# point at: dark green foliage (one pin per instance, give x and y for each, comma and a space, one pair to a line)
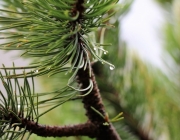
41, 31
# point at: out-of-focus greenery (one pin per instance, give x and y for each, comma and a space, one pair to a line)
172, 43
165, 1
148, 98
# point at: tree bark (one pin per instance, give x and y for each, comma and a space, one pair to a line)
93, 99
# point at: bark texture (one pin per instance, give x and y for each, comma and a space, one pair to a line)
93, 99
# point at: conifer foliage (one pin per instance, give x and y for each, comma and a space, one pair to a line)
60, 36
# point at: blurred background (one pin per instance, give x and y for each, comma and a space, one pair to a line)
145, 85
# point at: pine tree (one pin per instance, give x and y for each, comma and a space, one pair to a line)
148, 98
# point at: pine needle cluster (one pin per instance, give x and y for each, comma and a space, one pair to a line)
61, 37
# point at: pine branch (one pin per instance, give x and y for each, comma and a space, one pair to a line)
91, 128
58, 32
93, 99
86, 129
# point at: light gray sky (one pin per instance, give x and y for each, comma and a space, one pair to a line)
142, 30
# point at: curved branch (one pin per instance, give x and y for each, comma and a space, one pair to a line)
93, 99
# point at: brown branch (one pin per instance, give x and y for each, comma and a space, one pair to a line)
93, 99
86, 129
